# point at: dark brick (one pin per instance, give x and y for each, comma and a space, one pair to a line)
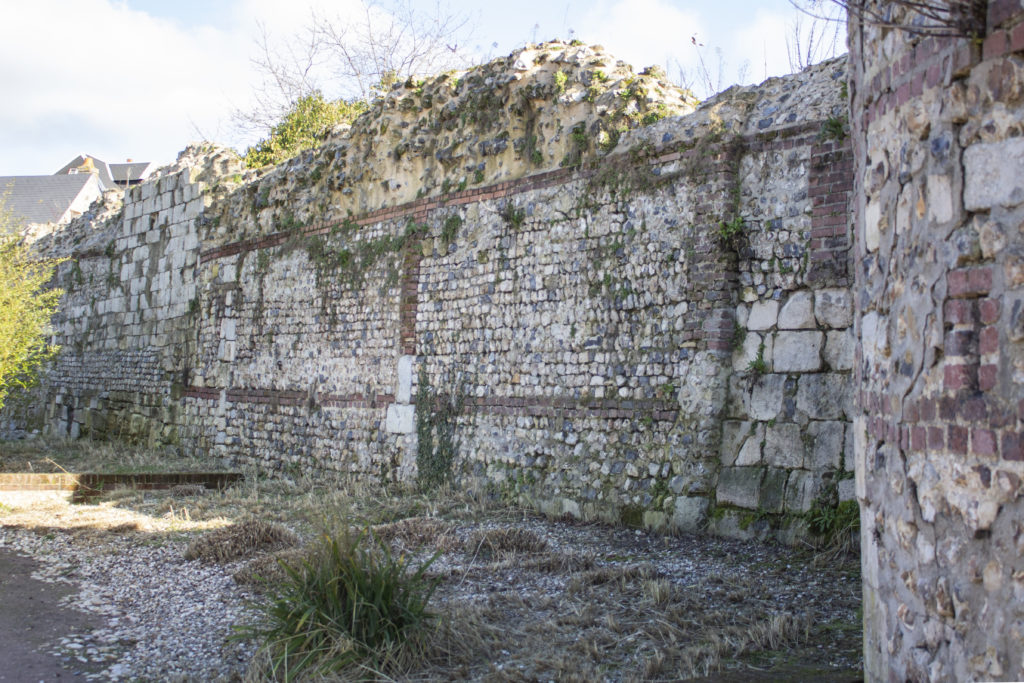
959, 312
983, 441
988, 375
918, 438
1013, 446
988, 340
936, 440
956, 377
988, 309
956, 439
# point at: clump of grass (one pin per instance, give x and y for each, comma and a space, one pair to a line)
267, 570
241, 540
416, 532
352, 607
493, 543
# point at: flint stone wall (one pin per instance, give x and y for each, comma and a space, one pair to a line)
940, 318
617, 353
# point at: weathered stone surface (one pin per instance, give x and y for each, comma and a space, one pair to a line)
773, 490
734, 433
802, 489
766, 397
763, 315
839, 349
403, 393
740, 486
991, 172
797, 351
823, 396
825, 449
784, 446
689, 513
798, 312
751, 350
750, 452
833, 307
401, 419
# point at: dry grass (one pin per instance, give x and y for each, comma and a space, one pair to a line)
240, 541
522, 598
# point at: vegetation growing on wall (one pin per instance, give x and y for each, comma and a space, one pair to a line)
437, 444
302, 127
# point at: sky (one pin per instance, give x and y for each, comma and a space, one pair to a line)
140, 79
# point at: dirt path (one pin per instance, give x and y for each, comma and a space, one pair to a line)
31, 621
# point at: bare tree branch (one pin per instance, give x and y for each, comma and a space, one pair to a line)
352, 57
956, 18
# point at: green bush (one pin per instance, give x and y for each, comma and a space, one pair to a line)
303, 126
352, 604
27, 302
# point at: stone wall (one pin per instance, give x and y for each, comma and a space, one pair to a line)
940, 319
644, 317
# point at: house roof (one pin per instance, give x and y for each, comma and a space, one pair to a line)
42, 198
106, 179
131, 171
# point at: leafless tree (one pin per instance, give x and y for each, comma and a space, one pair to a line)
353, 57
964, 18
809, 42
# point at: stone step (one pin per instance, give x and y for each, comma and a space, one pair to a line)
21, 487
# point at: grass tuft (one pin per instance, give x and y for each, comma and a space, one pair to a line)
239, 541
351, 608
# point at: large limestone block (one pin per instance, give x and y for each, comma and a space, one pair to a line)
773, 490
740, 486
784, 445
798, 312
823, 396
690, 513
801, 491
839, 348
763, 315
992, 173
826, 445
797, 351
400, 419
833, 307
766, 396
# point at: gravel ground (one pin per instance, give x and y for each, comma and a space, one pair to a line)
553, 600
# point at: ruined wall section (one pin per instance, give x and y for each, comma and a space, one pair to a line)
598, 312
125, 323
586, 315
940, 308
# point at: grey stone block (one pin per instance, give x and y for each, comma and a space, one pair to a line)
734, 433
839, 346
400, 419
822, 397
797, 351
763, 315
740, 486
690, 513
847, 490
833, 307
773, 489
784, 446
404, 391
826, 445
992, 173
801, 490
798, 312
750, 451
766, 395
